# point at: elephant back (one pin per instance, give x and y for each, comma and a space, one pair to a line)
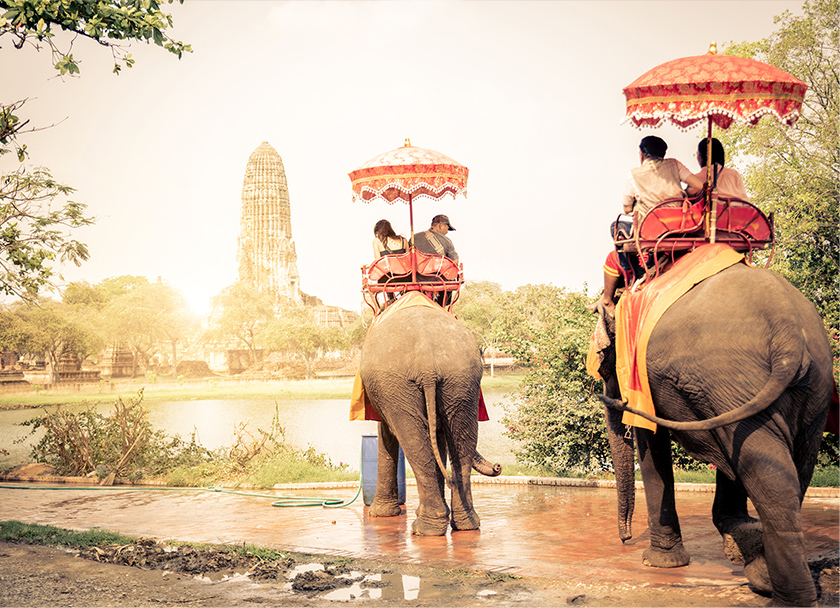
420, 337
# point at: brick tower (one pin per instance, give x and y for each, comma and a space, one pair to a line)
266, 250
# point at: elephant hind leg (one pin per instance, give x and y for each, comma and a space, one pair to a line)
774, 492
433, 512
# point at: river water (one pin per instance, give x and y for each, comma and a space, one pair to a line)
320, 423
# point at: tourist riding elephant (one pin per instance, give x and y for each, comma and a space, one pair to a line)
740, 371
422, 371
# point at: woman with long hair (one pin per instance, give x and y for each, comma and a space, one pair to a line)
386, 241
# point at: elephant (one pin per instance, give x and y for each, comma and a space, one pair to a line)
740, 371
422, 370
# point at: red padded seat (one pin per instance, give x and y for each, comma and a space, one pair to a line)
680, 224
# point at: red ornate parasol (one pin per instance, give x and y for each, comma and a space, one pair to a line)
715, 88
408, 173
720, 88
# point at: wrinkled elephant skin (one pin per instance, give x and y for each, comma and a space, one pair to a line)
419, 365
718, 347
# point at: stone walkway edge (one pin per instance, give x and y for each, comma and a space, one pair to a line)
822, 492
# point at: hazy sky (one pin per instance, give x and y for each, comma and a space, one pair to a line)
525, 94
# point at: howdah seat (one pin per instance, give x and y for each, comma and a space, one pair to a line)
411, 271
682, 224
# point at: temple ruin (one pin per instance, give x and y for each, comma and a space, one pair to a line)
266, 251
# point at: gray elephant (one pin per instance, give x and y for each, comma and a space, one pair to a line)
422, 371
740, 371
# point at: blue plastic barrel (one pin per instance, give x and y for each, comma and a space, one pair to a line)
370, 454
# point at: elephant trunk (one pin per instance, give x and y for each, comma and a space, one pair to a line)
622, 451
485, 467
431, 412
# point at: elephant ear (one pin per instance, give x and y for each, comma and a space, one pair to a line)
605, 342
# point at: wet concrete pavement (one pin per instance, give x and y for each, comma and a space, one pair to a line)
559, 533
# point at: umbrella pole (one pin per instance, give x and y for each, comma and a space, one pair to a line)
411, 242
711, 203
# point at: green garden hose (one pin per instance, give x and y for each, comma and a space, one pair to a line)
284, 501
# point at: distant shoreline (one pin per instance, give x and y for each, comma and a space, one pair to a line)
221, 387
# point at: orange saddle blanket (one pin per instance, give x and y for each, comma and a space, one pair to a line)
638, 312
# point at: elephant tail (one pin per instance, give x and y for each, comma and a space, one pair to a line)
431, 411
485, 467
782, 376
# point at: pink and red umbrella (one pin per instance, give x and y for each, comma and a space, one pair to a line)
716, 88
408, 173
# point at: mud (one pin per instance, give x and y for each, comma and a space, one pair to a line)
154, 574
538, 546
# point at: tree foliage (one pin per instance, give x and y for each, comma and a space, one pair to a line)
239, 314
32, 234
294, 331
557, 419
795, 172
478, 309
52, 329
35, 218
145, 315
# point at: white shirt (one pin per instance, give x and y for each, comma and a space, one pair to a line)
729, 183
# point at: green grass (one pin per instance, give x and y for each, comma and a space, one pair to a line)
221, 388
826, 477
287, 465
505, 380
332, 388
37, 534
276, 471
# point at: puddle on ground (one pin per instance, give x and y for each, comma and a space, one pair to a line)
400, 587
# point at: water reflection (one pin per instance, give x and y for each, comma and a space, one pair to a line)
320, 423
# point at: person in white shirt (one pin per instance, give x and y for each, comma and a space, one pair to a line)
725, 181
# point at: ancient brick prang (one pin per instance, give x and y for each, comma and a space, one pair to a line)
266, 251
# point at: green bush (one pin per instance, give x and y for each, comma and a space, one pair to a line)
827, 476
84, 442
557, 420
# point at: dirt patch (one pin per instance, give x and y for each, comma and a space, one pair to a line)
151, 573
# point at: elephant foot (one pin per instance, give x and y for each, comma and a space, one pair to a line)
426, 527
384, 508
467, 520
743, 542
758, 575
656, 557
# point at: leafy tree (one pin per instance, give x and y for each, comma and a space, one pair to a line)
239, 313
294, 331
33, 232
357, 331
557, 417
32, 235
795, 172
145, 315
109, 23
52, 329
478, 307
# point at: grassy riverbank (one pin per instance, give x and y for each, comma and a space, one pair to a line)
229, 387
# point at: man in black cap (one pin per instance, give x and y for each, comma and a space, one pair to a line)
434, 240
